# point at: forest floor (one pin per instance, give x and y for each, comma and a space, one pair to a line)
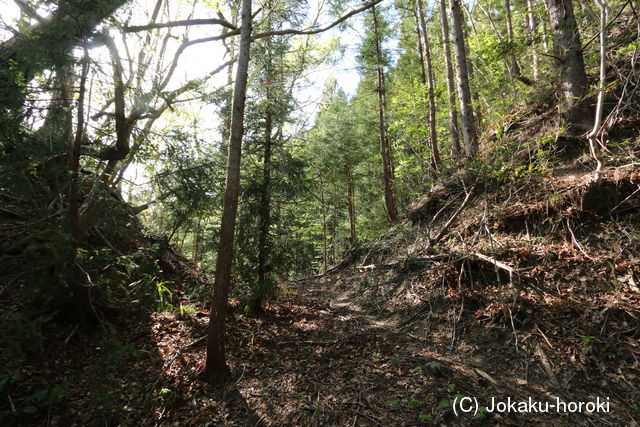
314, 357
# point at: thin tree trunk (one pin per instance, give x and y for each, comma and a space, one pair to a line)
603, 59
423, 70
464, 90
78, 281
216, 369
423, 80
451, 90
196, 241
532, 29
475, 95
569, 62
334, 252
385, 146
264, 211
515, 66
435, 154
545, 32
351, 206
324, 226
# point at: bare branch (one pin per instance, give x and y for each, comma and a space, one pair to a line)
319, 30
180, 23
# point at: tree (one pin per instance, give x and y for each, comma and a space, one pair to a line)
216, 368
433, 141
335, 131
532, 31
372, 55
571, 74
514, 65
462, 79
451, 90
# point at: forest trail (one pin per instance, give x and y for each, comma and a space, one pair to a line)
315, 358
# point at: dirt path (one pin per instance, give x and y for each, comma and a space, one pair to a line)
314, 358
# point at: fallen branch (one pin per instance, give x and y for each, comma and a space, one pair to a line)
29, 224
486, 376
546, 366
445, 228
497, 263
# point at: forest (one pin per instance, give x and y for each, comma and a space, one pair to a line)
319, 212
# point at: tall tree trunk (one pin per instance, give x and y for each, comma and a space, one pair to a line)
515, 66
334, 250
216, 368
451, 90
385, 146
351, 205
532, 30
264, 210
462, 79
78, 281
435, 154
423, 69
423, 79
475, 96
569, 62
543, 21
324, 226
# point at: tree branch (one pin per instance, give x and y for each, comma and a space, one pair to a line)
181, 23
319, 30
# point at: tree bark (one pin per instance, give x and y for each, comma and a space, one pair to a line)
451, 90
570, 69
462, 80
264, 211
433, 142
78, 281
515, 67
532, 30
603, 75
323, 211
385, 146
216, 369
351, 206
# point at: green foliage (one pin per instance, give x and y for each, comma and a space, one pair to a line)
164, 296
187, 309
482, 414
586, 339
426, 418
